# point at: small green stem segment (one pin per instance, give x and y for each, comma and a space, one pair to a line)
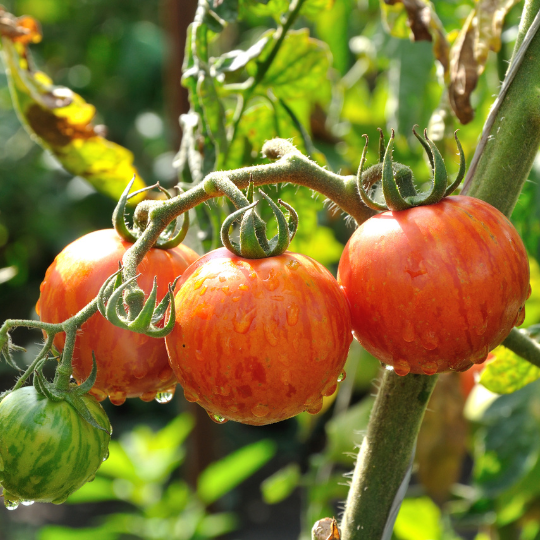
385, 453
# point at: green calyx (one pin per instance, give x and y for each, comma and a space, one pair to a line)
72, 393
397, 180
169, 238
110, 303
253, 241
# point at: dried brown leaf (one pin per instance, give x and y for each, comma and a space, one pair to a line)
480, 34
325, 529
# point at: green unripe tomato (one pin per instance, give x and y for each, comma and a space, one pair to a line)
47, 451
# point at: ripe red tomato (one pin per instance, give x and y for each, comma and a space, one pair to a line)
259, 340
436, 287
129, 364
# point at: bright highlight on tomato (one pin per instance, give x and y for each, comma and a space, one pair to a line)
435, 288
259, 340
47, 451
129, 364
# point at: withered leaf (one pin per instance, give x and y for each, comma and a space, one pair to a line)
480, 34
57, 118
425, 25
325, 529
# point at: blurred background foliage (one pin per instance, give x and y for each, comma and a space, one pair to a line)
343, 71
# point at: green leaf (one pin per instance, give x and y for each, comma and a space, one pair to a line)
100, 489
418, 519
56, 532
322, 245
61, 121
277, 8
222, 476
217, 525
281, 484
508, 372
507, 445
532, 306
299, 70
344, 432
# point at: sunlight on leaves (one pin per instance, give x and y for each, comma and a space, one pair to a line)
281, 484
60, 120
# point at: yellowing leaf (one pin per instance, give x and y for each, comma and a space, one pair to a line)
58, 119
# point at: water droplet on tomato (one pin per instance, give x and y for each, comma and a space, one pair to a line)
293, 265
241, 323
165, 374
91, 478
292, 314
165, 396
218, 419
260, 411
529, 291
27, 503
222, 279
429, 340
100, 395
402, 368
140, 371
480, 356
225, 289
243, 287
191, 395
408, 331
106, 456
223, 390
203, 311
355, 336
203, 290
270, 333
342, 376
252, 275
315, 406
272, 282
117, 397
148, 396
429, 367
520, 316
199, 355
11, 504
329, 389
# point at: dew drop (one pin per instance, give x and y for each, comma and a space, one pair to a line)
11, 504
293, 265
236, 299
222, 279
140, 371
292, 314
191, 395
225, 289
315, 406
260, 411
199, 355
117, 398
529, 291
218, 419
164, 397
106, 456
429, 367
148, 396
272, 283
100, 395
252, 275
429, 340
269, 333
243, 287
223, 390
329, 389
402, 368
203, 311
355, 336
203, 290
520, 318
408, 331
90, 478
27, 503
342, 376
481, 356
242, 323
165, 374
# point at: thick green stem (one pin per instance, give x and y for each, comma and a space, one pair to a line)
524, 346
511, 137
385, 454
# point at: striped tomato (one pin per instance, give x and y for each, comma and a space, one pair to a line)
47, 451
435, 288
129, 364
259, 340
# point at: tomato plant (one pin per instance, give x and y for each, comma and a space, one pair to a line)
435, 288
129, 365
47, 450
259, 340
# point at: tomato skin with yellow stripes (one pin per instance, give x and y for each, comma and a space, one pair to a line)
47, 451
